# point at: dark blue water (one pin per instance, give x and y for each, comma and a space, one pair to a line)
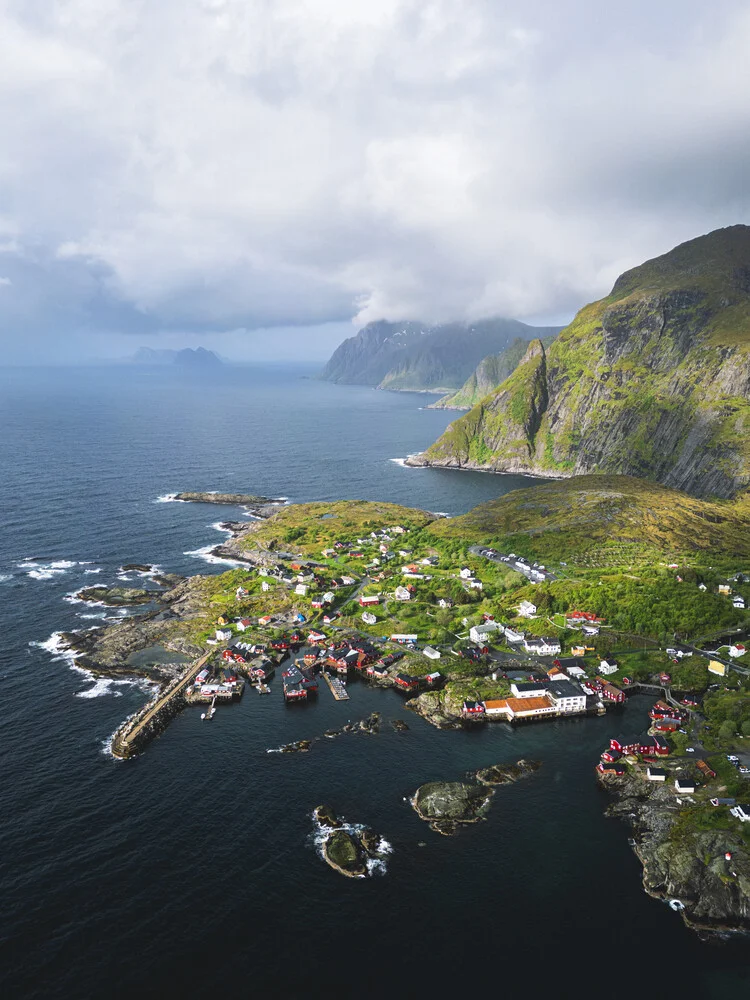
192, 867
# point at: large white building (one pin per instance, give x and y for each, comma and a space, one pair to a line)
480, 633
566, 696
542, 645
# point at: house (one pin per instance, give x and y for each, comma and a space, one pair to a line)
666, 726
705, 769
528, 689
655, 774
741, 812
702, 586
575, 671
444, 603
317, 602
607, 667
737, 649
402, 594
610, 768
526, 609
723, 802
714, 667
265, 586
431, 653
566, 696
578, 650
542, 645
495, 707
330, 616
465, 573
314, 637
678, 652
513, 635
590, 629
611, 755
265, 620
243, 623
368, 618
368, 600
223, 634
223, 618
472, 709
684, 786
328, 597
724, 588
555, 674
529, 708
328, 553
301, 589
480, 633
405, 682
611, 693
347, 581
577, 617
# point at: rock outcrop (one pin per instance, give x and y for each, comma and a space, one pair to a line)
652, 381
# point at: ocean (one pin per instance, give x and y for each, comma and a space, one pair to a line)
193, 869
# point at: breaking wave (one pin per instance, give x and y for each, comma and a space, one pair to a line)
207, 555
38, 570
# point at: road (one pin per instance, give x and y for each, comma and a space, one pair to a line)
480, 550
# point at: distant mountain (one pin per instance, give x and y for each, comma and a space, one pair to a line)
488, 375
651, 381
186, 358
415, 356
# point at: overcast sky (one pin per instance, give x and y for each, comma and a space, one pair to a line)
264, 176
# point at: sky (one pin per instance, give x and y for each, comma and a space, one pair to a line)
265, 176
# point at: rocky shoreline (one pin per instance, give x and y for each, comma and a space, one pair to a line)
707, 871
249, 500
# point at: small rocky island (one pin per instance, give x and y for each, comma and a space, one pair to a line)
237, 499
349, 850
447, 805
116, 597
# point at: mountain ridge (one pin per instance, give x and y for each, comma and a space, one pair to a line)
651, 381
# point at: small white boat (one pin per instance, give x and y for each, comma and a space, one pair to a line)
203, 715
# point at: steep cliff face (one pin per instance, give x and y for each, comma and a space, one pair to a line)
416, 356
653, 381
488, 375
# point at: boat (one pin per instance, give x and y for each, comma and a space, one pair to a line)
263, 688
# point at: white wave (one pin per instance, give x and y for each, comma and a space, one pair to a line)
398, 461
219, 526
440, 513
97, 570
101, 615
169, 498
4, 577
124, 577
73, 598
39, 570
321, 832
54, 646
207, 556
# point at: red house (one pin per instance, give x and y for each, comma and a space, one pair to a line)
610, 768
472, 709
368, 601
405, 682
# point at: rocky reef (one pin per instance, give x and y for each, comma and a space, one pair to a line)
116, 597
706, 870
448, 805
353, 851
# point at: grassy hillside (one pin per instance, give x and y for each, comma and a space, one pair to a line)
607, 520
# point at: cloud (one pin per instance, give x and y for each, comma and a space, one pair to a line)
224, 164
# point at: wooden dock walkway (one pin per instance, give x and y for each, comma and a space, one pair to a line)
338, 689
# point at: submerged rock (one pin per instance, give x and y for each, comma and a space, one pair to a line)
136, 568
299, 746
399, 725
326, 816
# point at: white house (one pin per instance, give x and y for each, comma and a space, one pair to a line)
607, 667
223, 634
265, 585
443, 603
328, 597
368, 618
566, 697
348, 580
513, 635
528, 689
656, 774
741, 812
242, 624
301, 589
738, 602
476, 584
526, 609
737, 649
684, 786
402, 594
431, 653
542, 645
575, 671
465, 573
480, 633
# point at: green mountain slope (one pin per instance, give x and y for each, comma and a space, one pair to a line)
414, 356
607, 520
488, 374
652, 381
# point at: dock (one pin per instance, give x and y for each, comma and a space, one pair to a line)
338, 689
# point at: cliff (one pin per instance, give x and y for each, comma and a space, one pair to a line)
414, 356
651, 381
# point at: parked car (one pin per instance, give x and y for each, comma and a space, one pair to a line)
732, 757
744, 770
689, 749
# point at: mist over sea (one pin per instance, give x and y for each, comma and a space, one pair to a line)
193, 870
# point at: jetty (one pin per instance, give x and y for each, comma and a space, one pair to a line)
153, 718
338, 688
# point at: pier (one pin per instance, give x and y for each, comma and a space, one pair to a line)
338, 688
153, 717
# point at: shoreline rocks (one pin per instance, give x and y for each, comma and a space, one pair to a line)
684, 863
117, 597
349, 850
235, 499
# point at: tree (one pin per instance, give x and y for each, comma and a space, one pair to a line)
746, 728
727, 730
